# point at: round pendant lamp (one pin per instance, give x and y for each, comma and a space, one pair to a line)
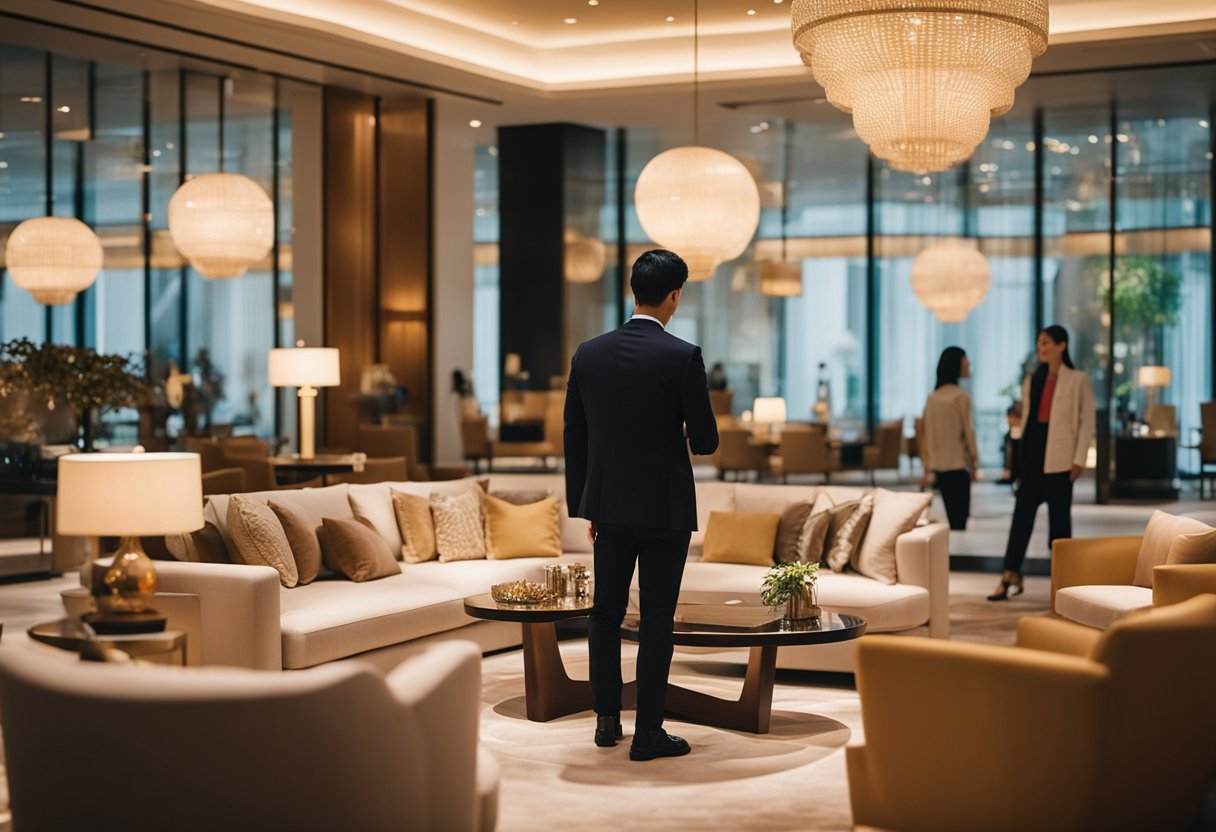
922, 80
699, 202
53, 258
222, 223
950, 279
584, 258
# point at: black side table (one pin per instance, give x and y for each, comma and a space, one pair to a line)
1146, 468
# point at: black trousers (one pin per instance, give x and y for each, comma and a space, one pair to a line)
1056, 491
659, 555
956, 494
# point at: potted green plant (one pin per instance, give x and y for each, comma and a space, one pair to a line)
792, 584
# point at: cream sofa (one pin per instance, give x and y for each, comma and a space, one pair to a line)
248, 620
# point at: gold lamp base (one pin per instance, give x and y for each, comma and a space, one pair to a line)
129, 585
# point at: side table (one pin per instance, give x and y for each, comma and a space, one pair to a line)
167, 647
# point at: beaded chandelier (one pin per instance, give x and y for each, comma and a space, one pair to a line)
53, 258
922, 78
222, 223
950, 279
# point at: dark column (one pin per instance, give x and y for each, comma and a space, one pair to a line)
550, 177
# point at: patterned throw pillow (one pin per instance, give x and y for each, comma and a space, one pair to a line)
459, 533
259, 538
849, 523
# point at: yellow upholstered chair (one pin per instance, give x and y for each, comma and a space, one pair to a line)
224, 481
1075, 729
883, 453
804, 449
376, 469
736, 453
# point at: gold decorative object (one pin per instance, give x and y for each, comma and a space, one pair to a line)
921, 79
950, 279
222, 223
522, 592
130, 582
53, 258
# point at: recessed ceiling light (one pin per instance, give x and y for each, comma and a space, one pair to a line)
751, 12
31, 99
571, 20
64, 109
670, 19
476, 122
593, 2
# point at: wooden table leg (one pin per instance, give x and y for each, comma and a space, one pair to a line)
752, 711
548, 691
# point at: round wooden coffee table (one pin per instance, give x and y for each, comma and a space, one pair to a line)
761, 629
549, 692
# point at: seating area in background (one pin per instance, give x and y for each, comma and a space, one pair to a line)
531, 429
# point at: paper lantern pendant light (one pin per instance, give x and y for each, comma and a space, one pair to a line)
950, 279
222, 223
584, 258
53, 258
921, 79
781, 280
699, 202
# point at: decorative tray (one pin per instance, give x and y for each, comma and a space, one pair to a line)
522, 592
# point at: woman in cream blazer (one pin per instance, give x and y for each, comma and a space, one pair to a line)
1057, 428
948, 450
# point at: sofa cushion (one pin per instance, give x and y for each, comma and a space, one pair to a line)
814, 537
521, 531
333, 618
373, 502
790, 532
1159, 535
258, 538
885, 608
1197, 547
848, 529
573, 529
203, 546
895, 513
741, 537
459, 533
711, 497
416, 525
773, 499
1101, 606
312, 503
302, 537
354, 549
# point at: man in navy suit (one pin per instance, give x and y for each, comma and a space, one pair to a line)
636, 402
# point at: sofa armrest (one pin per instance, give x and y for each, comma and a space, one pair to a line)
442, 687
1056, 635
968, 720
1093, 561
1174, 583
922, 558
239, 606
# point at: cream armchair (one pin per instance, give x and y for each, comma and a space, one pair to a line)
1106, 731
336, 747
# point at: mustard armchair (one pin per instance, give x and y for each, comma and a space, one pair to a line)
1073, 729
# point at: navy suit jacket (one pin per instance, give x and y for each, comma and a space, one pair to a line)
630, 396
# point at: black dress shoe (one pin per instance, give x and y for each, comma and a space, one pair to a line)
657, 744
608, 731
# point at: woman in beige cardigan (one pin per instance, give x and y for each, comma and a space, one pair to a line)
1057, 427
949, 453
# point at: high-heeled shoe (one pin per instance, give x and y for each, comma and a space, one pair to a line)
1010, 580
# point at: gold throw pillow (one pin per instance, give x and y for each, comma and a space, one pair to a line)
354, 549
302, 537
459, 533
416, 526
1196, 547
259, 538
740, 537
521, 531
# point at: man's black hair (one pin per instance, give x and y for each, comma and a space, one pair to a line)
656, 274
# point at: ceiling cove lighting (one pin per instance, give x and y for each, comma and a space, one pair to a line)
921, 79
950, 279
53, 258
699, 202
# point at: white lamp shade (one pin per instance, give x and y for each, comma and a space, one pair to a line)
305, 367
1155, 376
113, 495
222, 223
701, 203
53, 258
769, 410
950, 279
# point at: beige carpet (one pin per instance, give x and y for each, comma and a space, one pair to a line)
792, 778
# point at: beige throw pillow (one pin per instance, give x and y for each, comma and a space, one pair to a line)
1159, 536
895, 513
354, 549
1196, 547
302, 537
459, 533
849, 522
789, 531
740, 537
416, 527
259, 538
521, 531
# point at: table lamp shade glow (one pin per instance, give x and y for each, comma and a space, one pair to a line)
1154, 376
769, 411
128, 496
306, 368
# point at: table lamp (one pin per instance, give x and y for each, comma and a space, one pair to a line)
128, 496
1152, 379
769, 411
306, 368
